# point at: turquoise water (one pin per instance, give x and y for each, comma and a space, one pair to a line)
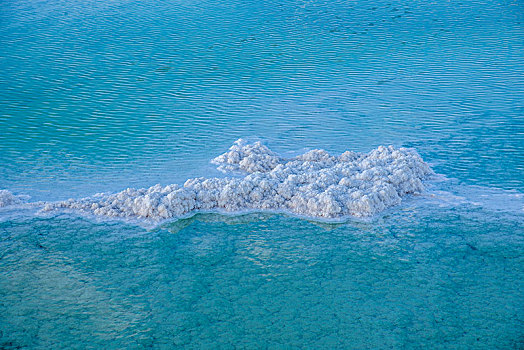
438, 279
100, 96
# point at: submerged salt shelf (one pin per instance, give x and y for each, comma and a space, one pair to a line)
314, 184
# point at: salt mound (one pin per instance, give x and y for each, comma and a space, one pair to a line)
249, 158
7, 198
314, 184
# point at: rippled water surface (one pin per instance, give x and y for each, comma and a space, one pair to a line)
97, 96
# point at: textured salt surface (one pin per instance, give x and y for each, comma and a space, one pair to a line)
314, 184
7, 198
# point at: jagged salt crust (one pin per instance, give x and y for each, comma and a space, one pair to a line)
7, 198
314, 184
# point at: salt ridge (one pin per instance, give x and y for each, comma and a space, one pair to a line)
314, 184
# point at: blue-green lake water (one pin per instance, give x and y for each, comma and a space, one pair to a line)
98, 96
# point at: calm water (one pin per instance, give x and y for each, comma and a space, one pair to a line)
100, 96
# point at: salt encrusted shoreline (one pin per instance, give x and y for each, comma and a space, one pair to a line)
314, 184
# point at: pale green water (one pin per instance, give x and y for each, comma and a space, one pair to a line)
102, 96
439, 279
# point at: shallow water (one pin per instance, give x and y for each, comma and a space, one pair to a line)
100, 96
442, 278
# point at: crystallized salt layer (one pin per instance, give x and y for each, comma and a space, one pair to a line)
314, 184
7, 198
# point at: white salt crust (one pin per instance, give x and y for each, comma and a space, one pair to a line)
314, 184
7, 198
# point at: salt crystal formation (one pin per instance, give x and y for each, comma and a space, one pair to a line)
7, 198
314, 184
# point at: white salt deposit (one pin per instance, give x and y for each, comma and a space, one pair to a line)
7, 198
314, 184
